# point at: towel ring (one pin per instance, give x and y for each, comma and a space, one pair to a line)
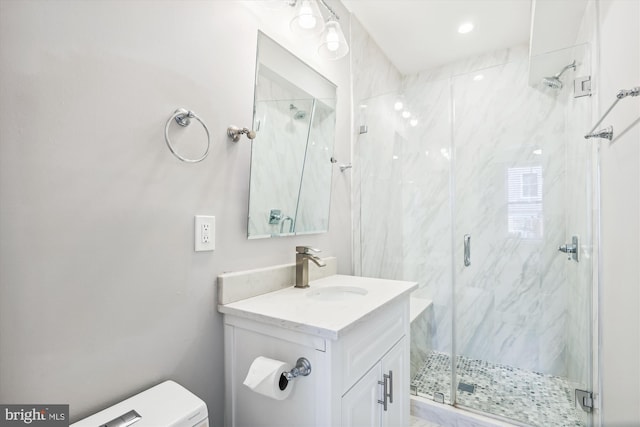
182, 117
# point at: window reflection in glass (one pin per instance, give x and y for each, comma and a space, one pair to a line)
524, 202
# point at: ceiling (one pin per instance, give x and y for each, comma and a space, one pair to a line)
419, 35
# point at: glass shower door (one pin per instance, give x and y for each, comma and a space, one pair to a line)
521, 189
403, 218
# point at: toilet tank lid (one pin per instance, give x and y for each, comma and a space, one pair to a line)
167, 404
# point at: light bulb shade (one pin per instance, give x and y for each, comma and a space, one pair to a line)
307, 19
333, 44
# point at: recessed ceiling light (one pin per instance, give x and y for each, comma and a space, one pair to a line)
398, 106
413, 122
406, 114
465, 28
478, 77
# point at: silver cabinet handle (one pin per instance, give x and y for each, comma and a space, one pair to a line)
384, 393
467, 250
387, 389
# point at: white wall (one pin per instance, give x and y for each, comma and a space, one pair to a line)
101, 293
620, 204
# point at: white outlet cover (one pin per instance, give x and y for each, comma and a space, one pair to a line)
201, 221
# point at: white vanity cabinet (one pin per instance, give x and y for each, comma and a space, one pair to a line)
380, 398
359, 355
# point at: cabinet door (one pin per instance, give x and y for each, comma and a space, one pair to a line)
396, 362
360, 407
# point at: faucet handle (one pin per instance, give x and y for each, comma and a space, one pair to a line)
306, 250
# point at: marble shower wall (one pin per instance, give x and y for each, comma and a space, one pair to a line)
312, 215
281, 139
511, 302
509, 146
377, 208
295, 132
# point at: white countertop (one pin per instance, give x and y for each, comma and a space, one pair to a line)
293, 309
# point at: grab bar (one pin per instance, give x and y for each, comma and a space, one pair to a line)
608, 132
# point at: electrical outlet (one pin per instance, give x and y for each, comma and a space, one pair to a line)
205, 233
205, 236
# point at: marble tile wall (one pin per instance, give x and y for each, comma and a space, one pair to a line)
312, 215
281, 140
301, 190
511, 301
480, 132
376, 82
421, 340
426, 162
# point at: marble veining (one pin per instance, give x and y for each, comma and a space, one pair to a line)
478, 131
295, 132
472, 138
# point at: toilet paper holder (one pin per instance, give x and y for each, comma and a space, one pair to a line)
302, 368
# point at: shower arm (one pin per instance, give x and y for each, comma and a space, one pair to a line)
572, 65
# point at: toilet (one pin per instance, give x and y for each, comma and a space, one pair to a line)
166, 405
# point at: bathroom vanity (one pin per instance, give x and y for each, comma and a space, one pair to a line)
355, 333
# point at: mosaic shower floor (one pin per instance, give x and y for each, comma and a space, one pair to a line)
528, 397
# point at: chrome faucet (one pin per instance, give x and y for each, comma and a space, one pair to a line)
303, 255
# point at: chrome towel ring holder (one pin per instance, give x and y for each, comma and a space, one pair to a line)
183, 118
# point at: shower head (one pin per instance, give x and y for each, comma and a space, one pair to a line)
552, 82
555, 82
297, 113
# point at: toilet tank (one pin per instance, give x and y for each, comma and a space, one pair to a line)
166, 405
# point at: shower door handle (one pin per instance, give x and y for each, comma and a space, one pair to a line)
467, 250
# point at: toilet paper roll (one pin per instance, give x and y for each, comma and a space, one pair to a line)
264, 378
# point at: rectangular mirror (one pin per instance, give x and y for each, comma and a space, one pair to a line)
294, 120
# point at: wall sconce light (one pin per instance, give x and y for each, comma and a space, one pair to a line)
308, 20
333, 44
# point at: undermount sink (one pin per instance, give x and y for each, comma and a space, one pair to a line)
337, 293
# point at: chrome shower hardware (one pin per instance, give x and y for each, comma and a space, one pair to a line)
291, 224
572, 249
606, 133
582, 86
467, 250
554, 82
343, 167
275, 216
